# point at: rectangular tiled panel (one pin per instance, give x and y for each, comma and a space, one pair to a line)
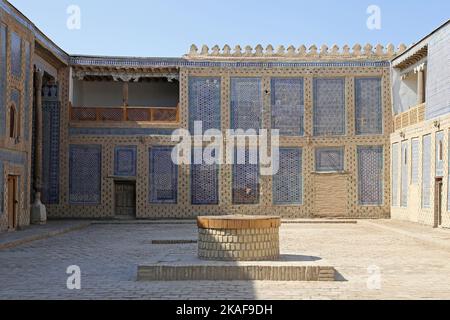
246, 103
163, 176
329, 159
3, 73
329, 107
85, 165
395, 175
27, 102
287, 183
288, 106
204, 102
369, 113
204, 183
51, 151
440, 154
16, 55
426, 172
415, 161
405, 177
125, 161
246, 185
370, 175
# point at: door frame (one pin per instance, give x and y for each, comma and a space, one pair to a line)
129, 182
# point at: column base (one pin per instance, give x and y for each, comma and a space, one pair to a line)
38, 214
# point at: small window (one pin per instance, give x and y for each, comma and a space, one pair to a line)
406, 156
330, 159
441, 153
12, 122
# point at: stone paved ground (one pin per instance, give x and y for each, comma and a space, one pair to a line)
108, 255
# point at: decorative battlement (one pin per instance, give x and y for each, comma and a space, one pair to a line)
302, 52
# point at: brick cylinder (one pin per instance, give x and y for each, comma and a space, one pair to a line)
238, 238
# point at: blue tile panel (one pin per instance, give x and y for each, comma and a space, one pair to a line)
119, 131
3, 77
51, 151
438, 79
288, 182
246, 186
395, 175
415, 161
163, 176
330, 159
404, 177
204, 183
329, 107
426, 171
440, 154
246, 103
85, 174
16, 55
369, 111
370, 175
125, 158
27, 101
11, 157
288, 107
204, 102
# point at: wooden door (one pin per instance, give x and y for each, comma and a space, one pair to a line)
125, 195
12, 202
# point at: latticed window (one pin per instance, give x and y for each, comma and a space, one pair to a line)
426, 171
204, 102
246, 185
404, 178
330, 159
329, 107
85, 174
395, 174
288, 182
246, 103
163, 176
204, 183
440, 154
369, 111
288, 106
415, 161
370, 175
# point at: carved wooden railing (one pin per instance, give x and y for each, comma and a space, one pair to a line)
410, 117
121, 114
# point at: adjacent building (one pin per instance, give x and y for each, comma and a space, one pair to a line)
91, 137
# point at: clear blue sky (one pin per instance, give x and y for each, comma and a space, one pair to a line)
169, 27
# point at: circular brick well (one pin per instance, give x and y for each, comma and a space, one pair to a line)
239, 238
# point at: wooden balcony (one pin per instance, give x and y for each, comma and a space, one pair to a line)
410, 117
155, 115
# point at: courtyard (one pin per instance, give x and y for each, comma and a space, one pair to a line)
374, 259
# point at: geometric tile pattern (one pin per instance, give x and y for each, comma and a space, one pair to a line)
369, 113
85, 163
50, 151
288, 106
125, 161
27, 103
287, 183
370, 170
395, 173
404, 178
204, 183
415, 161
163, 176
204, 102
330, 159
246, 103
16, 55
3, 76
246, 184
440, 154
426, 171
329, 107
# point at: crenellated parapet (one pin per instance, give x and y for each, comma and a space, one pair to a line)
302, 52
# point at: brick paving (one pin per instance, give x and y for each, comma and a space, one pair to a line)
108, 254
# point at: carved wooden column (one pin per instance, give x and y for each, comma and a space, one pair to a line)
125, 100
38, 212
420, 70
